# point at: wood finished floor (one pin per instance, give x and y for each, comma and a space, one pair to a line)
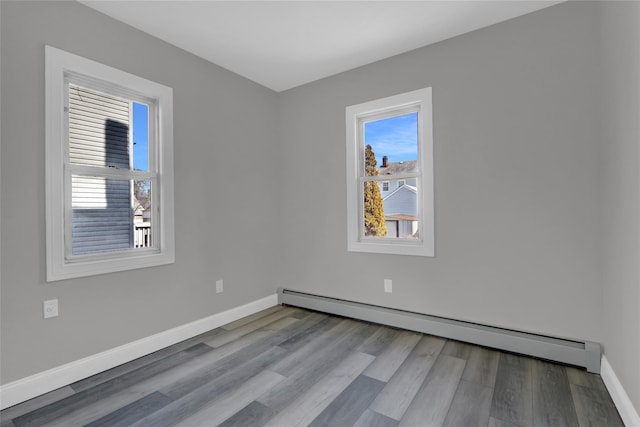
287, 367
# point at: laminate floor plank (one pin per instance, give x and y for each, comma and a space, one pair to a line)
457, 349
347, 408
376, 343
495, 422
398, 393
78, 403
310, 334
248, 319
585, 379
303, 376
240, 331
131, 413
393, 356
552, 401
233, 401
299, 355
594, 407
307, 406
187, 405
471, 406
431, 404
254, 414
513, 395
372, 419
482, 366
299, 314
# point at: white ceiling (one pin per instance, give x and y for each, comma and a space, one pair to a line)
283, 44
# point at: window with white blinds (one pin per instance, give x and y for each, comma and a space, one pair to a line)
101, 176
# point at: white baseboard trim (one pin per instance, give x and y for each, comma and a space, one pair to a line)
27, 388
627, 412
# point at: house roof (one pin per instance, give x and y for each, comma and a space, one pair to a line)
405, 187
394, 168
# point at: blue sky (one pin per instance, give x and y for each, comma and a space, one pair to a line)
394, 137
140, 136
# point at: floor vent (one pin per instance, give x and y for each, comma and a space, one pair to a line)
586, 354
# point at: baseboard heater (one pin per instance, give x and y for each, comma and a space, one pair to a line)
586, 354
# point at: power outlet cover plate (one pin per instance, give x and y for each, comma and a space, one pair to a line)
50, 308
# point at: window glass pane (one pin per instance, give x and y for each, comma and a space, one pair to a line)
394, 143
400, 205
101, 217
373, 212
140, 136
142, 214
391, 213
98, 128
391, 206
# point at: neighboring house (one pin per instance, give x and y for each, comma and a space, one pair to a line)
138, 212
146, 215
401, 212
400, 198
99, 136
141, 223
142, 211
394, 168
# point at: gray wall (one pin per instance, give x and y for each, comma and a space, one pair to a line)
224, 133
517, 179
620, 109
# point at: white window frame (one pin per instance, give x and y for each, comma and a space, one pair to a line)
59, 66
420, 101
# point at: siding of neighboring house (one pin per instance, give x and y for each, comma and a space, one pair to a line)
394, 185
401, 201
99, 136
401, 211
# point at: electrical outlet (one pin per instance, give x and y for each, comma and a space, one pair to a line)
388, 285
219, 286
50, 308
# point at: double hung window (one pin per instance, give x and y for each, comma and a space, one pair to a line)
109, 158
390, 202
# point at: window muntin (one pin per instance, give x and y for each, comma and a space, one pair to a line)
98, 182
389, 149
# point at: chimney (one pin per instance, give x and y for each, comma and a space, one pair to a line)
385, 159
